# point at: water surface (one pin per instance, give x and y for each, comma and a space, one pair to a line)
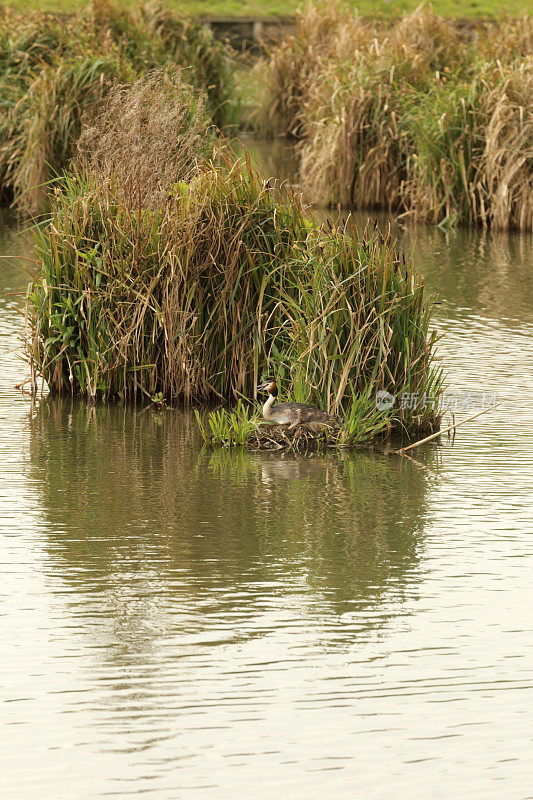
177, 623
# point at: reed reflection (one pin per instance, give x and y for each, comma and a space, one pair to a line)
133, 504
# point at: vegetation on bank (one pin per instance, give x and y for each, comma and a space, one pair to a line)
263, 9
196, 287
54, 70
424, 118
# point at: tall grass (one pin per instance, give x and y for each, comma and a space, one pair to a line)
293, 64
215, 279
424, 118
355, 317
152, 34
46, 122
176, 300
53, 71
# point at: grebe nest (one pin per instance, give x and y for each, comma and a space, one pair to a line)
281, 437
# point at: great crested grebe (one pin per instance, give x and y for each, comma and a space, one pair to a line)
292, 414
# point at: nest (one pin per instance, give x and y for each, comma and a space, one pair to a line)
299, 439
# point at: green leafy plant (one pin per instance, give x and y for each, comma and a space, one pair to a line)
229, 427
363, 421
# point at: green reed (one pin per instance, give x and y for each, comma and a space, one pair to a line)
229, 427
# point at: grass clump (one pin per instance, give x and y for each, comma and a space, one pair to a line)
152, 34
41, 131
229, 428
180, 297
355, 319
53, 71
293, 64
423, 118
147, 136
364, 422
193, 287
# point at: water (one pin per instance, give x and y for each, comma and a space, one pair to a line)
183, 624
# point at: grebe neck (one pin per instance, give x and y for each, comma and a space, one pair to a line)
268, 405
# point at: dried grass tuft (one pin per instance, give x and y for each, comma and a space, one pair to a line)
147, 136
325, 31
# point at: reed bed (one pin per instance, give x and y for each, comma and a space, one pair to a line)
293, 65
225, 285
53, 71
196, 287
423, 118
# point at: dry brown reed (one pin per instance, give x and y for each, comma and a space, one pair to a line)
147, 136
54, 70
46, 123
502, 195
325, 31
427, 119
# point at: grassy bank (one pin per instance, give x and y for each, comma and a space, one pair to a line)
263, 9
53, 70
195, 288
427, 119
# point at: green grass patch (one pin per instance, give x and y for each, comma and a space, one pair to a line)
229, 428
262, 9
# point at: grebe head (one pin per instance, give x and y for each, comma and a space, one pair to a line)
268, 386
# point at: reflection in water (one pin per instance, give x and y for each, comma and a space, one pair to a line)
349, 528
193, 580
484, 272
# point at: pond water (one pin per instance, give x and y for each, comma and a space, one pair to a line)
178, 623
